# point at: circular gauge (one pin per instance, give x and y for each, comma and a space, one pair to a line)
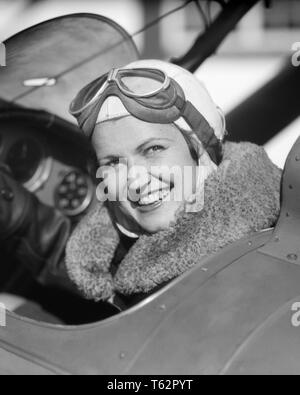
74, 194
28, 164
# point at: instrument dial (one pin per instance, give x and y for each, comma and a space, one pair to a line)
74, 194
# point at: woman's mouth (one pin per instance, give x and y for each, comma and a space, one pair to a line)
153, 200
154, 197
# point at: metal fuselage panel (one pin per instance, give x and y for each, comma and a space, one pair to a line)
196, 325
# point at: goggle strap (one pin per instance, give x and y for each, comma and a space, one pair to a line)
204, 131
89, 122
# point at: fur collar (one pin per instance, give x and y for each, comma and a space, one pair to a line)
241, 197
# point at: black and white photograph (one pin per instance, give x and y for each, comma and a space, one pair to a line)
149, 190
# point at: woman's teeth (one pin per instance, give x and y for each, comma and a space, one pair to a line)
154, 197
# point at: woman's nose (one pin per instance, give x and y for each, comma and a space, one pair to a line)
138, 179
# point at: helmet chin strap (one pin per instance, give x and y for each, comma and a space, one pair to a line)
126, 232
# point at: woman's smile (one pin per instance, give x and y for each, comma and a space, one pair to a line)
153, 200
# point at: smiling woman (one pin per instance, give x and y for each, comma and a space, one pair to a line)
141, 235
151, 152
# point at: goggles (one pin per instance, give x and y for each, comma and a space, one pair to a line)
149, 95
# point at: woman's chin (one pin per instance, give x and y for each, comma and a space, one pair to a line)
159, 219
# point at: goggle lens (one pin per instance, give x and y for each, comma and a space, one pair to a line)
87, 95
135, 83
140, 83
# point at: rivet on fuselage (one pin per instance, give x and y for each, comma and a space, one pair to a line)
292, 257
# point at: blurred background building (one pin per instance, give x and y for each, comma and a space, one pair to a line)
249, 57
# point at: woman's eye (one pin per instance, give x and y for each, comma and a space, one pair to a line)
154, 149
112, 163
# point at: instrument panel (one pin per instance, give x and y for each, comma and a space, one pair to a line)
56, 169
29, 162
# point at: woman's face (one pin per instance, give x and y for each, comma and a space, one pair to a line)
148, 171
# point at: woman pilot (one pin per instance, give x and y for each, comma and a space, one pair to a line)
171, 192
153, 223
